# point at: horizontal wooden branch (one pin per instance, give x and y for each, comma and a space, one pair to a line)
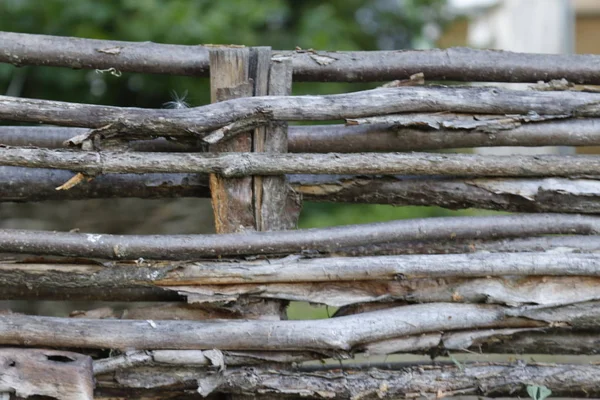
457, 64
380, 137
337, 334
498, 290
378, 273
198, 122
35, 184
538, 278
197, 358
186, 247
351, 383
518, 195
244, 164
507, 194
499, 341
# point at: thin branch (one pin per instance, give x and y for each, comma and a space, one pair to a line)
199, 358
185, 247
231, 165
196, 123
359, 138
457, 64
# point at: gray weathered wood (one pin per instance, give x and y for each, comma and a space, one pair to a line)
231, 198
507, 194
374, 383
344, 333
234, 165
186, 247
56, 374
518, 195
457, 64
239, 115
539, 278
277, 207
364, 138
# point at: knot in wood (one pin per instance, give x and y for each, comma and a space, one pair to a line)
237, 165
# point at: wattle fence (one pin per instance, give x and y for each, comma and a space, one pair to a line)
526, 283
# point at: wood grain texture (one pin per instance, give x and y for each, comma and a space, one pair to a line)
56, 374
232, 199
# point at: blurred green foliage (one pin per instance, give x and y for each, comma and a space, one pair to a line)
282, 24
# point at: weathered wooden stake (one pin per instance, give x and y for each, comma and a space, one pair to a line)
231, 198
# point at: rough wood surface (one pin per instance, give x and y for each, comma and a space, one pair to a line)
226, 119
381, 137
52, 374
337, 279
519, 290
433, 381
187, 247
507, 194
22, 184
346, 333
278, 208
234, 165
517, 195
457, 64
232, 199
200, 358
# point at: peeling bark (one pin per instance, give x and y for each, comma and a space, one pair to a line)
373, 383
228, 118
385, 137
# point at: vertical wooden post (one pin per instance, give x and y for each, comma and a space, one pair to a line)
257, 203
275, 206
232, 199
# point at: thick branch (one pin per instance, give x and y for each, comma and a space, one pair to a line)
457, 64
335, 269
244, 164
432, 380
31, 184
361, 138
186, 247
343, 333
518, 195
499, 290
195, 123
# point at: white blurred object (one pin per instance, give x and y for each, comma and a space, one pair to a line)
529, 26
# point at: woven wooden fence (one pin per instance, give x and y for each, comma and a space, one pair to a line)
514, 283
